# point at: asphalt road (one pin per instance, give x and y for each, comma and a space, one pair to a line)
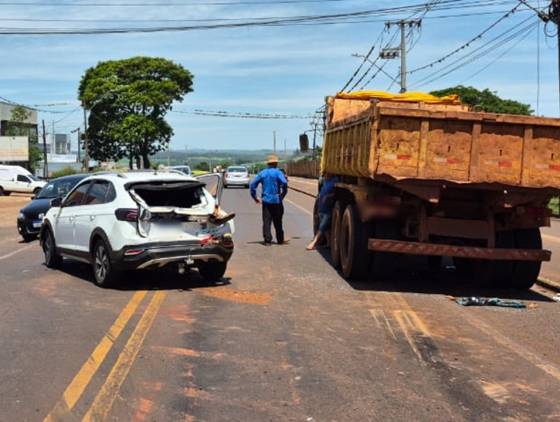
283, 337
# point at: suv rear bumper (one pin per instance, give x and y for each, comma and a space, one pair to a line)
156, 255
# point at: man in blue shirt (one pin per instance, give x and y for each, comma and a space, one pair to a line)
274, 189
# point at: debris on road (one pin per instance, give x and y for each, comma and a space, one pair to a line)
494, 301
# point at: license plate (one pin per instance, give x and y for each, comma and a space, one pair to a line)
37, 224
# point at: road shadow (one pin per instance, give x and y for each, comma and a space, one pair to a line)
412, 275
160, 279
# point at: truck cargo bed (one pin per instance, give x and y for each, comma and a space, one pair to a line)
440, 142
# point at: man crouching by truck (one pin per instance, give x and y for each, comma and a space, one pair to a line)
325, 204
274, 189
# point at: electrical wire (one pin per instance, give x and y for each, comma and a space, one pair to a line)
366, 58
318, 19
380, 68
244, 115
482, 52
515, 44
468, 43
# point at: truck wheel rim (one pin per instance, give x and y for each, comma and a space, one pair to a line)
101, 263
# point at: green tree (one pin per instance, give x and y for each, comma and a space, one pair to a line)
128, 100
202, 166
18, 126
485, 100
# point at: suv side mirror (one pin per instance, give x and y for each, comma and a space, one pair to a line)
56, 202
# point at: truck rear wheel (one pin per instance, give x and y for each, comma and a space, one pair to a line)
526, 273
316, 217
335, 233
354, 252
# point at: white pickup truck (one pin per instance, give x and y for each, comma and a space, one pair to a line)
17, 179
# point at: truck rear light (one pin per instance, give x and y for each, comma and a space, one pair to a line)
126, 214
133, 252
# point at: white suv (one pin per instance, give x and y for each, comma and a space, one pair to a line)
140, 220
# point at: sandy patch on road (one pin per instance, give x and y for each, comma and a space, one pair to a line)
238, 296
9, 208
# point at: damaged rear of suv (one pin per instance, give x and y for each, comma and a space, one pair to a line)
141, 220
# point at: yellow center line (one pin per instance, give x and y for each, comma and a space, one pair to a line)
110, 389
298, 206
75, 389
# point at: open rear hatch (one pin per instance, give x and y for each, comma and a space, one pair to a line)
176, 209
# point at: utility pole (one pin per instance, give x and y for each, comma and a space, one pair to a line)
285, 149
393, 53
86, 152
403, 58
53, 141
274, 141
45, 164
552, 15
78, 131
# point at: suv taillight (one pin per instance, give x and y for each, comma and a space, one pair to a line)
126, 214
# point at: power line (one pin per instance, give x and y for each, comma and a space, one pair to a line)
482, 69
380, 68
318, 19
244, 115
468, 43
483, 50
378, 41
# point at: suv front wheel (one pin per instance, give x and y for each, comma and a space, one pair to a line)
52, 259
103, 272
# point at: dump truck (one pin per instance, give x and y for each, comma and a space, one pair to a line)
423, 175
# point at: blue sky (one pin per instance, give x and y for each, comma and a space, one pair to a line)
268, 70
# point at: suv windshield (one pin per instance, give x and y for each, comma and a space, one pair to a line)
58, 188
237, 170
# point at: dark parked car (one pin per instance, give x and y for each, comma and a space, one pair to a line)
30, 217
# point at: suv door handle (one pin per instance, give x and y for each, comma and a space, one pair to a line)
71, 219
91, 217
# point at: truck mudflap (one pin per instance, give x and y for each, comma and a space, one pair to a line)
475, 252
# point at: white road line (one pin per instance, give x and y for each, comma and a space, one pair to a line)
550, 237
15, 252
304, 181
299, 206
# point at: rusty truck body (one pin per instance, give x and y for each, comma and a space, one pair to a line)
440, 180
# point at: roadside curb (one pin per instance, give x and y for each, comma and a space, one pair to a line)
549, 284
302, 191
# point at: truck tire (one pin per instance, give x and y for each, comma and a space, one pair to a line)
335, 233
383, 265
212, 271
2, 193
316, 217
36, 191
526, 273
503, 270
354, 252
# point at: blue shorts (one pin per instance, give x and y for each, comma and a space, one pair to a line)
324, 222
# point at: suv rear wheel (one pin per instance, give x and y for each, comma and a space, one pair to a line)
212, 271
103, 272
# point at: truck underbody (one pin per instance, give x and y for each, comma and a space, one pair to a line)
491, 230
